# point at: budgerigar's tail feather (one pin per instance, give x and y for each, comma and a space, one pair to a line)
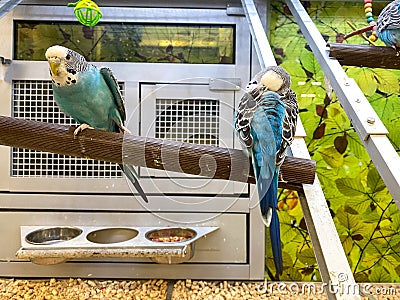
133, 177
275, 234
269, 206
275, 230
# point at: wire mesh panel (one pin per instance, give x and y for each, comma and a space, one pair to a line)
188, 120
33, 99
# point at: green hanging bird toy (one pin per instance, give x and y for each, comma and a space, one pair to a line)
87, 12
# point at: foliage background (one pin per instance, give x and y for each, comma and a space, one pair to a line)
367, 220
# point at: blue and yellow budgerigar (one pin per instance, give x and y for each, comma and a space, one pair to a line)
90, 95
265, 123
388, 25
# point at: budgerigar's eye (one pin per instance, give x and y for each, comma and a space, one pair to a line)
68, 57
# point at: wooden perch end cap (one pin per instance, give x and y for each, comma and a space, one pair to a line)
365, 56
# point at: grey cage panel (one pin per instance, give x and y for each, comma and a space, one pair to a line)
33, 99
188, 120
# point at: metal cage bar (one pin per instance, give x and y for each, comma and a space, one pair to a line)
366, 122
328, 249
7, 6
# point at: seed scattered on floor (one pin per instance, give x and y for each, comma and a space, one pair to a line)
71, 289
156, 289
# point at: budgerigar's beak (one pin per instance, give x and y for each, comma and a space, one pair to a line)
54, 65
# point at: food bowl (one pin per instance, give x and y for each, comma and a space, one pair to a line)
111, 235
53, 235
171, 235
168, 236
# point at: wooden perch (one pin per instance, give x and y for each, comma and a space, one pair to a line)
209, 161
365, 56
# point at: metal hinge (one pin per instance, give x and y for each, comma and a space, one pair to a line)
5, 61
234, 10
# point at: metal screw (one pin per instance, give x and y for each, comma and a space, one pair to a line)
370, 120
346, 83
358, 100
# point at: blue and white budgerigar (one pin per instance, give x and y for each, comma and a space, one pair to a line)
90, 95
266, 123
388, 25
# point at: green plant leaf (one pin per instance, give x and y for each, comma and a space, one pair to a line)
291, 274
371, 257
387, 81
350, 186
396, 221
361, 277
307, 257
310, 63
353, 72
374, 180
379, 275
287, 229
356, 147
349, 221
331, 156
359, 203
348, 209
286, 259
389, 262
296, 71
347, 243
367, 82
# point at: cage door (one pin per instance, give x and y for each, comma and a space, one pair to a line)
188, 113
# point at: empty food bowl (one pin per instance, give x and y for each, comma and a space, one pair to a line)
48, 236
111, 235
